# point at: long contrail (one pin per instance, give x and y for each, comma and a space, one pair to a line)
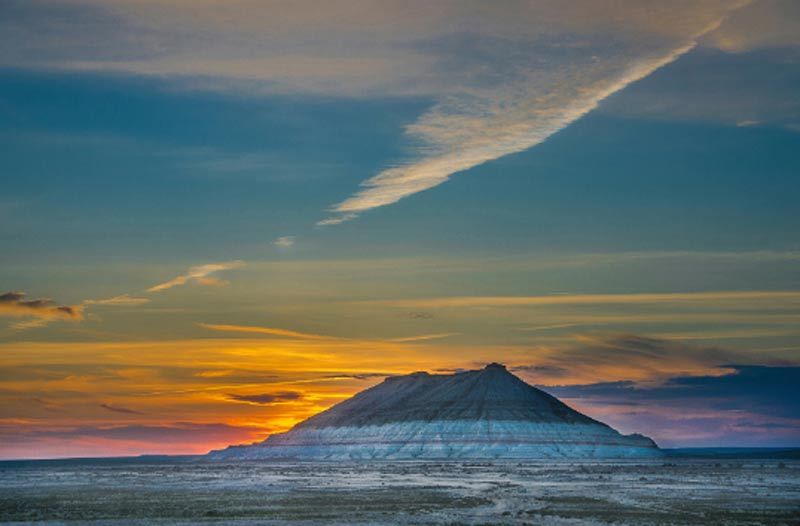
503, 133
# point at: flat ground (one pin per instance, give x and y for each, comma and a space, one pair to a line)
669, 491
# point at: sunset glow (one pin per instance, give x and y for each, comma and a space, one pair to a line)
221, 218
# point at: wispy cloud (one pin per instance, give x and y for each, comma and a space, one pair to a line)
120, 409
284, 241
761, 24
549, 327
267, 398
201, 274
589, 299
466, 130
271, 331
123, 300
41, 311
504, 78
285, 333
424, 337
337, 220
33, 323
357, 376
647, 360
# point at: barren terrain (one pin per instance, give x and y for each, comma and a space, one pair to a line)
665, 491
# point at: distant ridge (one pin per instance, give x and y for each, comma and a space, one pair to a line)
485, 413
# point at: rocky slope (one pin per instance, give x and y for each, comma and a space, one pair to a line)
487, 413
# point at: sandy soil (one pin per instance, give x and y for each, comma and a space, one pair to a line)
671, 491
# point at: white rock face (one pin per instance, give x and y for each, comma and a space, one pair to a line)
456, 439
487, 413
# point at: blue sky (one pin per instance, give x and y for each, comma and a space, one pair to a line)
246, 170
471, 162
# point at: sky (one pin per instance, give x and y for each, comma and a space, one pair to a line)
218, 219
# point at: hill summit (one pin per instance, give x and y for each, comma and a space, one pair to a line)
491, 393
485, 413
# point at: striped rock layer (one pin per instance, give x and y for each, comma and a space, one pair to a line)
481, 414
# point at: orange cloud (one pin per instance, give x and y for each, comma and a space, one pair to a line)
424, 337
590, 299
41, 310
123, 300
271, 331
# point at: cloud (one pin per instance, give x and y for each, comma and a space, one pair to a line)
767, 390
267, 398
503, 77
123, 300
424, 337
466, 133
47, 405
357, 376
200, 274
33, 323
549, 327
284, 241
41, 311
285, 333
593, 358
592, 299
271, 331
345, 47
744, 404
761, 24
537, 97
746, 89
551, 371
680, 394
120, 409
336, 220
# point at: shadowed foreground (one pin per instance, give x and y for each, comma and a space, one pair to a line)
666, 491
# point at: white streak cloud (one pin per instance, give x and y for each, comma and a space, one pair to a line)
466, 131
201, 274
